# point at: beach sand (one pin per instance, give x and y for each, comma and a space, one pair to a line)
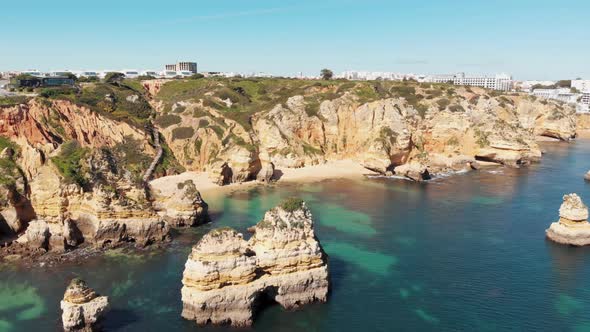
329, 170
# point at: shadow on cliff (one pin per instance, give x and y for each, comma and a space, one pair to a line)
277, 175
119, 320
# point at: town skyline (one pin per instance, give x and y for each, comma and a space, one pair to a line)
533, 39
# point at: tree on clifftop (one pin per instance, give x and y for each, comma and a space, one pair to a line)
114, 77
327, 74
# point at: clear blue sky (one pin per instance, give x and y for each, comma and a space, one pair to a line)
537, 39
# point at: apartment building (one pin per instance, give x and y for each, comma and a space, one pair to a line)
183, 66
501, 82
581, 85
563, 94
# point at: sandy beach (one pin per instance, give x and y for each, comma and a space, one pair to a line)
329, 170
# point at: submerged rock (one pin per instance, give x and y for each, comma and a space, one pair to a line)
573, 227
82, 307
226, 278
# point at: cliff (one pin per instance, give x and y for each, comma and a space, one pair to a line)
227, 279
72, 174
236, 128
78, 167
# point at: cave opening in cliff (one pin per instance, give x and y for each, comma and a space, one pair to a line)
265, 299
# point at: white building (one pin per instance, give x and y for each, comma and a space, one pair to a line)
563, 94
151, 73
581, 85
182, 66
375, 75
130, 73
528, 85
60, 73
32, 72
584, 104
498, 82
87, 74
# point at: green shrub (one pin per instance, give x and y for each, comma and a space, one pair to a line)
218, 130
9, 172
453, 141
182, 133
203, 123
292, 204
422, 110
456, 108
179, 109
167, 120
55, 92
69, 162
168, 164
13, 100
111, 101
443, 103
7, 143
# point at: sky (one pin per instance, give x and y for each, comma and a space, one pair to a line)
529, 39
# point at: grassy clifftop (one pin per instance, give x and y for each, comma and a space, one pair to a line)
239, 98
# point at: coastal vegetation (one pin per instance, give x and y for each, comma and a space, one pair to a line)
292, 204
69, 162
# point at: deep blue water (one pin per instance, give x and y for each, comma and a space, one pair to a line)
466, 252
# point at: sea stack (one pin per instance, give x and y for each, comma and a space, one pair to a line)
82, 307
573, 227
587, 176
226, 278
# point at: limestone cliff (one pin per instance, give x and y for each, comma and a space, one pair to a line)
573, 227
227, 278
72, 175
234, 129
82, 307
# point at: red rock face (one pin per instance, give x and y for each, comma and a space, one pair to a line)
17, 123
57, 121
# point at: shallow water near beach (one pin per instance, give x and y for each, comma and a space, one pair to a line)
465, 252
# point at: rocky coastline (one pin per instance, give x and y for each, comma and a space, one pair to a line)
77, 172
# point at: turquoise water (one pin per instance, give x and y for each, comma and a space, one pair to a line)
461, 253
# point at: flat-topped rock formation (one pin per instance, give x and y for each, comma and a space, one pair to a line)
573, 227
226, 278
82, 307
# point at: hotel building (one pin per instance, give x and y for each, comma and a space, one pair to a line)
501, 82
183, 66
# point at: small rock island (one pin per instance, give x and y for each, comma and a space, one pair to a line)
573, 227
226, 278
82, 307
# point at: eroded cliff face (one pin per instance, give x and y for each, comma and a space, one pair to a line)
226, 277
427, 129
74, 169
71, 176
